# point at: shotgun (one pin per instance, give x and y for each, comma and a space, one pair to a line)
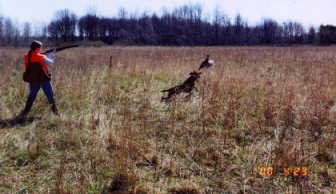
60, 48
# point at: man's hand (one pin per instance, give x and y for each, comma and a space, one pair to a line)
51, 57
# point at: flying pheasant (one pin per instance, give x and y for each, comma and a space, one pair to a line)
206, 63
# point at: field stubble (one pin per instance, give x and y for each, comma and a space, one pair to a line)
259, 107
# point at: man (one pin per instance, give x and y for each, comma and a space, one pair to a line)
38, 76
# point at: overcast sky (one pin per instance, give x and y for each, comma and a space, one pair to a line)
308, 12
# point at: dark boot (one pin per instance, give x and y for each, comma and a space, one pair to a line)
26, 110
54, 109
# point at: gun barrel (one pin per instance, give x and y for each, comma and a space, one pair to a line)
60, 48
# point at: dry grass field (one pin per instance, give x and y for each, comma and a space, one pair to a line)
262, 121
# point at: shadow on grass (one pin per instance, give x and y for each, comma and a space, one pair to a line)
17, 121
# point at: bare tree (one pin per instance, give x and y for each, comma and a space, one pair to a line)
63, 25
299, 33
311, 37
16, 37
9, 31
122, 13
270, 32
88, 27
217, 23
27, 32
1, 30
238, 29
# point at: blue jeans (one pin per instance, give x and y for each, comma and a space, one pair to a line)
47, 89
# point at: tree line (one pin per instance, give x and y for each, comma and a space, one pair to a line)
186, 25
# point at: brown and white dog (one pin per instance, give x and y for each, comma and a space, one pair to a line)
187, 86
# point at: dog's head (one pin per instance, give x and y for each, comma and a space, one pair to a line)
195, 74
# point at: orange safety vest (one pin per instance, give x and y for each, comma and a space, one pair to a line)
36, 69
36, 57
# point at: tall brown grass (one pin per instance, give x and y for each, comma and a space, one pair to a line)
258, 107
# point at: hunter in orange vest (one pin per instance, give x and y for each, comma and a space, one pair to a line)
38, 76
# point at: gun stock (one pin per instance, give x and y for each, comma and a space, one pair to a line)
60, 48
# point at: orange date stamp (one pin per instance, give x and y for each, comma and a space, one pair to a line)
296, 171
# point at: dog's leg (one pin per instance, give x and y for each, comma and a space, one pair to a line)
167, 99
188, 97
163, 99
